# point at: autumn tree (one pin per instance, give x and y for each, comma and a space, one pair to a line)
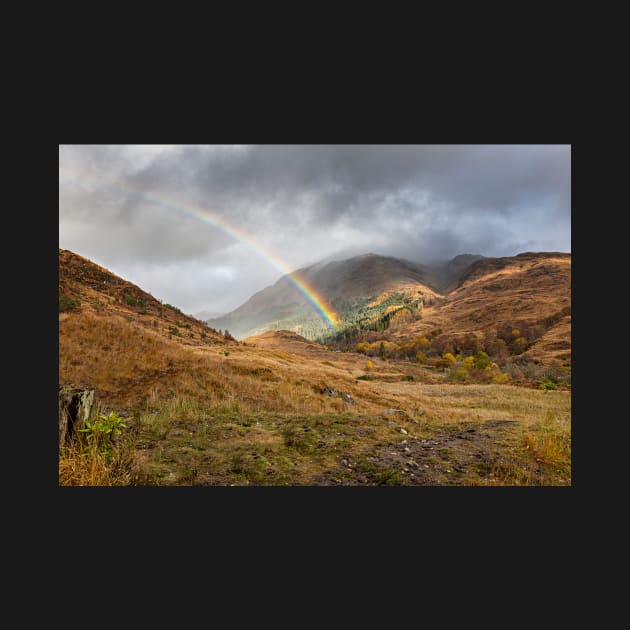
482, 360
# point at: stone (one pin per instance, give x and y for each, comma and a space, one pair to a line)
403, 431
347, 398
330, 391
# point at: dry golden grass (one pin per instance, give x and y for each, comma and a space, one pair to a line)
80, 468
529, 287
454, 403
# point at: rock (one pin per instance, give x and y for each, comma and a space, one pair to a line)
405, 442
347, 398
407, 450
403, 431
330, 391
391, 423
391, 411
75, 407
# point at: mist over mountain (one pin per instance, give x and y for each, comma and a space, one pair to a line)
345, 285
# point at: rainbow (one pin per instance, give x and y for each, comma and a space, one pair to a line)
317, 301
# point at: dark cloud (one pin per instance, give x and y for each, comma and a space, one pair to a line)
125, 207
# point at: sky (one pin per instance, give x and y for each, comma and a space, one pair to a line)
203, 227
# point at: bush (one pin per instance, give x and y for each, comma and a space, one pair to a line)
459, 374
67, 304
546, 384
100, 433
365, 377
482, 360
408, 377
421, 357
175, 331
131, 300
519, 345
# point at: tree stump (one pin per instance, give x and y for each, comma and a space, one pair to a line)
75, 407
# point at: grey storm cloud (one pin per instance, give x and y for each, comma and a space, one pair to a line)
303, 203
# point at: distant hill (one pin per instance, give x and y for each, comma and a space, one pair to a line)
359, 288
205, 315
469, 294
533, 289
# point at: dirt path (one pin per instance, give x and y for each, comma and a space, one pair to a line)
470, 453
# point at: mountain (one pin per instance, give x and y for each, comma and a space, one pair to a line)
529, 293
205, 315
449, 274
361, 287
401, 300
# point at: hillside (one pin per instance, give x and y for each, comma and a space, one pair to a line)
527, 290
87, 288
281, 410
359, 288
383, 297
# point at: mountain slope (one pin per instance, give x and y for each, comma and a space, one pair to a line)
357, 284
100, 292
530, 288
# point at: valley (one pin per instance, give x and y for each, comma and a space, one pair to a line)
461, 378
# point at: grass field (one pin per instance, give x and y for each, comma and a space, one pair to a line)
240, 415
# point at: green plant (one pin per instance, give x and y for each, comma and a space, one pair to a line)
365, 377
67, 304
408, 377
100, 432
546, 384
131, 300
482, 360
175, 331
226, 353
